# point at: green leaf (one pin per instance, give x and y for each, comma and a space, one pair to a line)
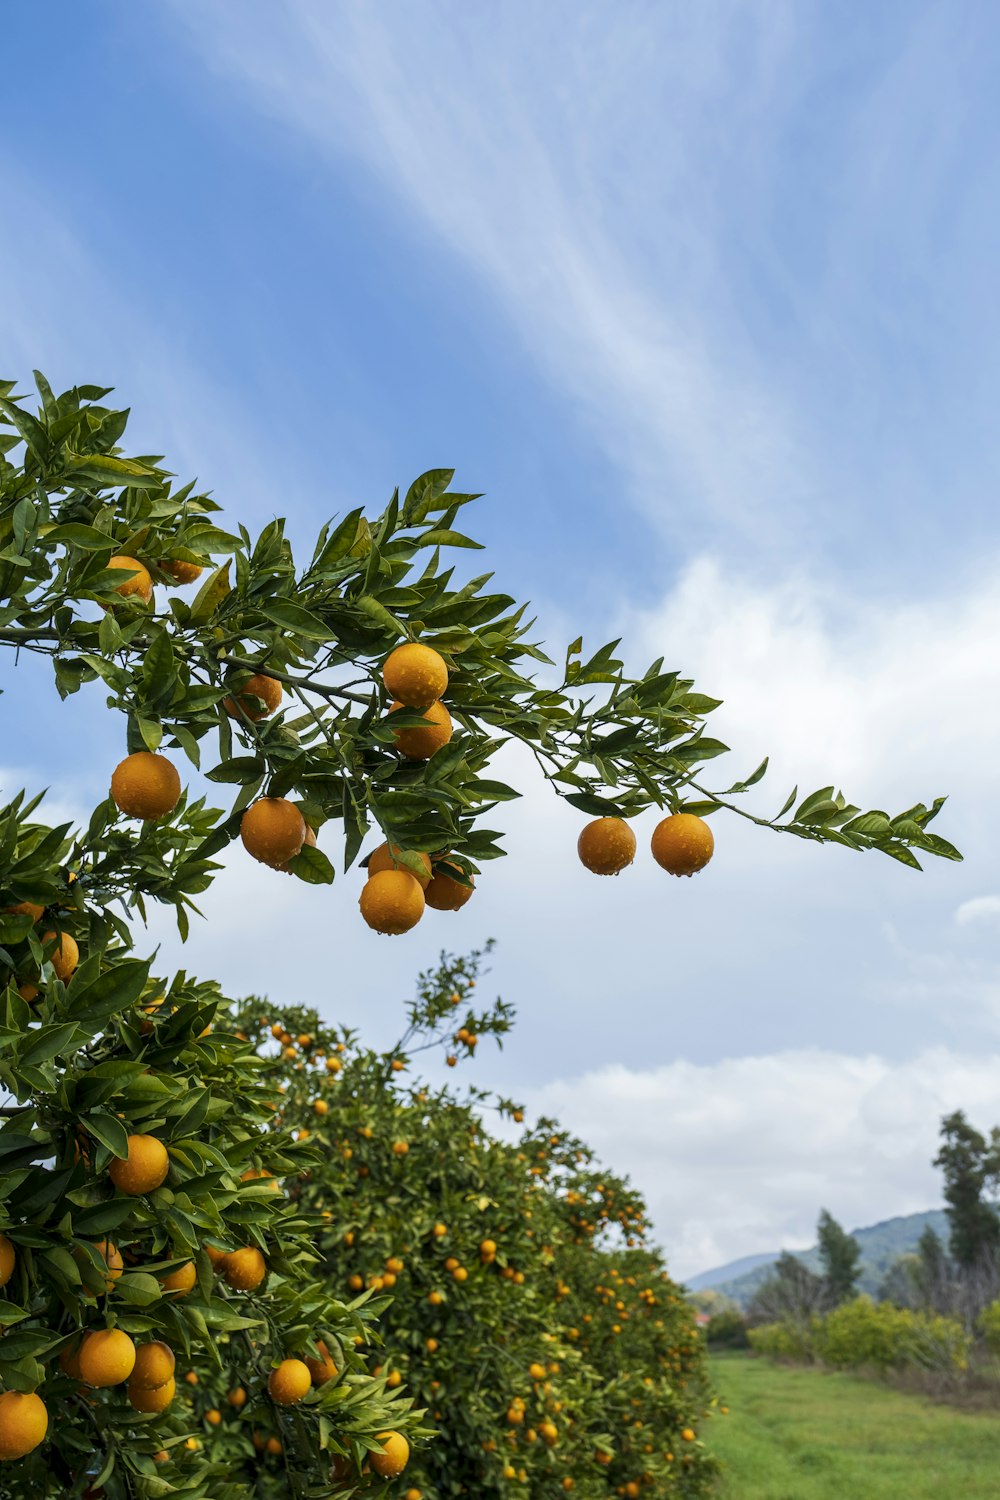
115, 990
48, 1041
104, 471
293, 617
74, 534
210, 595
312, 866
238, 771
109, 1131
138, 1288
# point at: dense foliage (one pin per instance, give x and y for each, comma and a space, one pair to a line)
863, 1334
528, 1314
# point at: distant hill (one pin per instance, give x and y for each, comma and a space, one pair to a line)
881, 1244
731, 1271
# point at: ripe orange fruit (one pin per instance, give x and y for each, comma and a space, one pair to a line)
394, 1455
423, 740
237, 1397
179, 570
387, 858
392, 902
215, 1255
687, 1433
146, 786
274, 1446
143, 1169
28, 909
273, 831
682, 844
213, 1416
140, 585
107, 1357
606, 846
415, 675
66, 955
323, 1369
244, 1269
151, 1398
114, 1265
181, 1281
154, 1364
445, 893
488, 1249
24, 1421
8, 1260
244, 700
288, 1383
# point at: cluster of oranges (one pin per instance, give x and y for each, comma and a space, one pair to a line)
399, 884
682, 844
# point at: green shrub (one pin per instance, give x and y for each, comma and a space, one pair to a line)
727, 1330
794, 1341
877, 1335
989, 1326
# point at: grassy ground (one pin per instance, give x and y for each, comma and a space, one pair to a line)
805, 1435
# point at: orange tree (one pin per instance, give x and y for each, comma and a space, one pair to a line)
367, 689
527, 1312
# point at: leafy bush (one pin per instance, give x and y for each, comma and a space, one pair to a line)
883, 1337
527, 1314
727, 1330
788, 1340
989, 1326
863, 1334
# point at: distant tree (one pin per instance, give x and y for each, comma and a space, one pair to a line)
971, 1165
792, 1293
840, 1255
901, 1284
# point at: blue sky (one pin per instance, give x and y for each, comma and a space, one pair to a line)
703, 298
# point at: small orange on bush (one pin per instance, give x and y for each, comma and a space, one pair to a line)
151, 1398
415, 675
24, 1421
289, 1382
140, 585
180, 570
392, 1460
244, 701
180, 1282
145, 786
245, 1269
65, 956
682, 844
386, 857
144, 1169
606, 846
8, 1260
107, 1357
273, 830
445, 893
421, 741
154, 1364
392, 902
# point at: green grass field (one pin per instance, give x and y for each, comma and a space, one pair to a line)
805, 1435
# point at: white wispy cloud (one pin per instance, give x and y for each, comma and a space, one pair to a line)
978, 909
739, 1156
574, 166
